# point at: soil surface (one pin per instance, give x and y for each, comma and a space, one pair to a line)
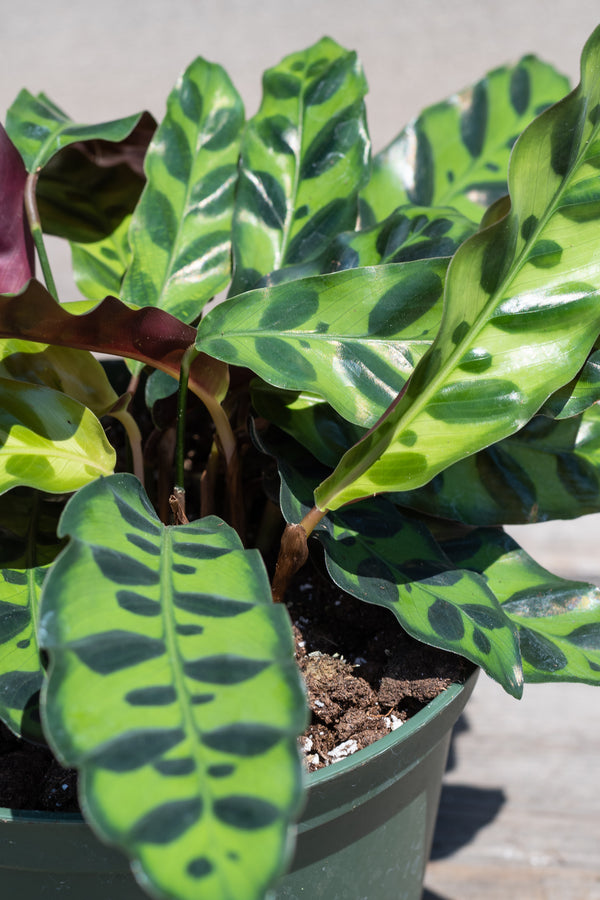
364, 677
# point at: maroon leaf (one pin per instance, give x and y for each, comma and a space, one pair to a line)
16, 244
149, 335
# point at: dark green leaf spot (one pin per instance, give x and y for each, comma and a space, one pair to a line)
408, 438
167, 822
398, 308
199, 867
541, 653
278, 134
143, 544
283, 357
545, 254
175, 767
224, 669
242, 739
158, 695
220, 771
520, 90
280, 85
112, 651
138, 604
289, 310
121, 569
460, 332
136, 749
446, 620
587, 637
182, 569
198, 551
245, 813
473, 122
211, 605
476, 361
481, 641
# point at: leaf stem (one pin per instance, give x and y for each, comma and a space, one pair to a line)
35, 225
184, 373
122, 414
293, 552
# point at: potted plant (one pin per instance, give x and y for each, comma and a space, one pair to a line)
412, 340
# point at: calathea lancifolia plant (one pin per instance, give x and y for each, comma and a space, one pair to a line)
412, 339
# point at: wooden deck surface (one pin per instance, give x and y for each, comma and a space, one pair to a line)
520, 810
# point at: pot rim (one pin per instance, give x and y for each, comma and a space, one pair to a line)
314, 779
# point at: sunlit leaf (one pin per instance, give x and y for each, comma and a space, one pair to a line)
48, 441
547, 470
305, 156
352, 337
180, 234
456, 153
558, 620
157, 680
521, 311
21, 672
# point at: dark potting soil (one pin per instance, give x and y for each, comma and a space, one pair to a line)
364, 677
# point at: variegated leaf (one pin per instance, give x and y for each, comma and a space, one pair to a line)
382, 556
99, 266
28, 523
21, 672
158, 673
521, 311
180, 232
352, 337
308, 419
578, 395
305, 156
48, 441
456, 153
39, 129
558, 620
376, 554
547, 470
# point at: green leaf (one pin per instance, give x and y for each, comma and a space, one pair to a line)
456, 153
305, 156
48, 441
409, 233
39, 129
28, 523
390, 558
558, 620
547, 470
76, 373
308, 419
380, 556
577, 396
351, 337
181, 230
521, 311
158, 674
99, 266
21, 672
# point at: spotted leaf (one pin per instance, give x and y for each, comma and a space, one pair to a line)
558, 620
180, 234
21, 672
305, 155
456, 153
352, 337
521, 311
158, 670
39, 129
28, 522
99, 266
547, 470
579, 394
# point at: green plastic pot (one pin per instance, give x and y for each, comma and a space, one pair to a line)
365, 834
